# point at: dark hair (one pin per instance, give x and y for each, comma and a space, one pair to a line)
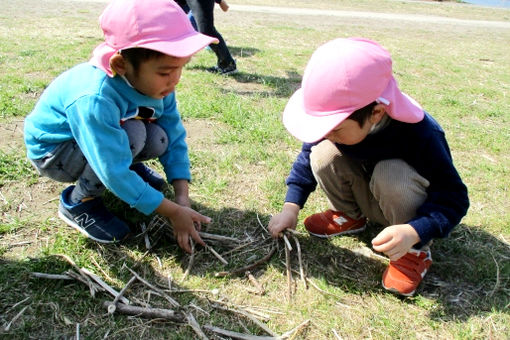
363, 114
137, 55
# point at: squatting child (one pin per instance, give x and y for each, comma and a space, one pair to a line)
96, 123
376, 154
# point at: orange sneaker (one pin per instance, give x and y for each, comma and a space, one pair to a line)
333, 223
404, 275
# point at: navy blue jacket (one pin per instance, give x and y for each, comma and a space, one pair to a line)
423, 146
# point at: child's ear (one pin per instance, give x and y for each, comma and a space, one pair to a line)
118, 64
378, 113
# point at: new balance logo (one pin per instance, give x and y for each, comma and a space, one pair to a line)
340, 220
84, 220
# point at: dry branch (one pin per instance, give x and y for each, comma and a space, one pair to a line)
236, 335
195, 326
249, 316
259, 289
242, 270
51, 276
191, 260
103, 284
300, 261
218, 256
142, 280
289, 271
144, 312
112, 307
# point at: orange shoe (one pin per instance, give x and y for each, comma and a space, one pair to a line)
404, 275
332, 223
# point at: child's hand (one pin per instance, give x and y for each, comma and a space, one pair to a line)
287, 219
183, 222
224, 6
396, 240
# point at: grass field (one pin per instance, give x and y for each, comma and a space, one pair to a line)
240, 155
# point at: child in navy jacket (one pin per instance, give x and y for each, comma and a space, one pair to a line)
376, 154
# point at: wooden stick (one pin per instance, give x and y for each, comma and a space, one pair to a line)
295, 331
289, 272
248, 267
113, 306
150, 313
218, 237
287, 243
191, 261
168, 298
146, 236
253, 280
88, 282
103, 284
249, 316
236, 335
51, 276
16, 317
300, 261
195, 326
93, 287
218, 256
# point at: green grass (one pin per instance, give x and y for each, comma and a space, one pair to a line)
241, 154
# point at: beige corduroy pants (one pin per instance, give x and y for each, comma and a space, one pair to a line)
391, 195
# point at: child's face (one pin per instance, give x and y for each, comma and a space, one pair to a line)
157, 77
349, 132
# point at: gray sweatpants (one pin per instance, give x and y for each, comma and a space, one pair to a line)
67, 164
391, 195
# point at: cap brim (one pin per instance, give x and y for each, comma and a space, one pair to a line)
183, 47
401, 106
307, 127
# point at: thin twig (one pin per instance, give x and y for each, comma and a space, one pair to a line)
146, 312
496, 286
103, 284
146, 236
81, 272
295, 331
218, 256
249, 316
236, 335
338, 337
93, 287
287, 243
16, 317
16, 305
300, 261
195, 326
289, 272
191, 260
168, 298
113, 306
243, 270
51, 276
259, 289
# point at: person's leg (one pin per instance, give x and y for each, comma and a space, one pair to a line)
400, 191
147, 141
345, 183
86, 212
203, 12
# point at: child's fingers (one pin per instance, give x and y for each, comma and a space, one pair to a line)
196, 237
183, 242
383, 237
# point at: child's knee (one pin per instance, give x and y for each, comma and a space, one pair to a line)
394, 180
322, 156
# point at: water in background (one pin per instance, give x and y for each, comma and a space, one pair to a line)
491, 3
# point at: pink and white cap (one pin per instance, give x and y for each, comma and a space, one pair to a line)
342, 76
159, 25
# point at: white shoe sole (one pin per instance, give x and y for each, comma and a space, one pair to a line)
348, 232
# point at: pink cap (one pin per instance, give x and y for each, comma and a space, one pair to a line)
342, 76
159, 25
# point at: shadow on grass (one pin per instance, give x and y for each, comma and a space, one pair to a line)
470, 276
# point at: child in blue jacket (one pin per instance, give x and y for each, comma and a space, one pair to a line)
97, 122
376, 154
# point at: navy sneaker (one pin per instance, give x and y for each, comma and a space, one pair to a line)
149, 175
92, 219
229, 69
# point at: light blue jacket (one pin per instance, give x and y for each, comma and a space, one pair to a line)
86, 105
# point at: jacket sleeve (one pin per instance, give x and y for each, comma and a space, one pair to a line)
447, 197
301, 181
175, 160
